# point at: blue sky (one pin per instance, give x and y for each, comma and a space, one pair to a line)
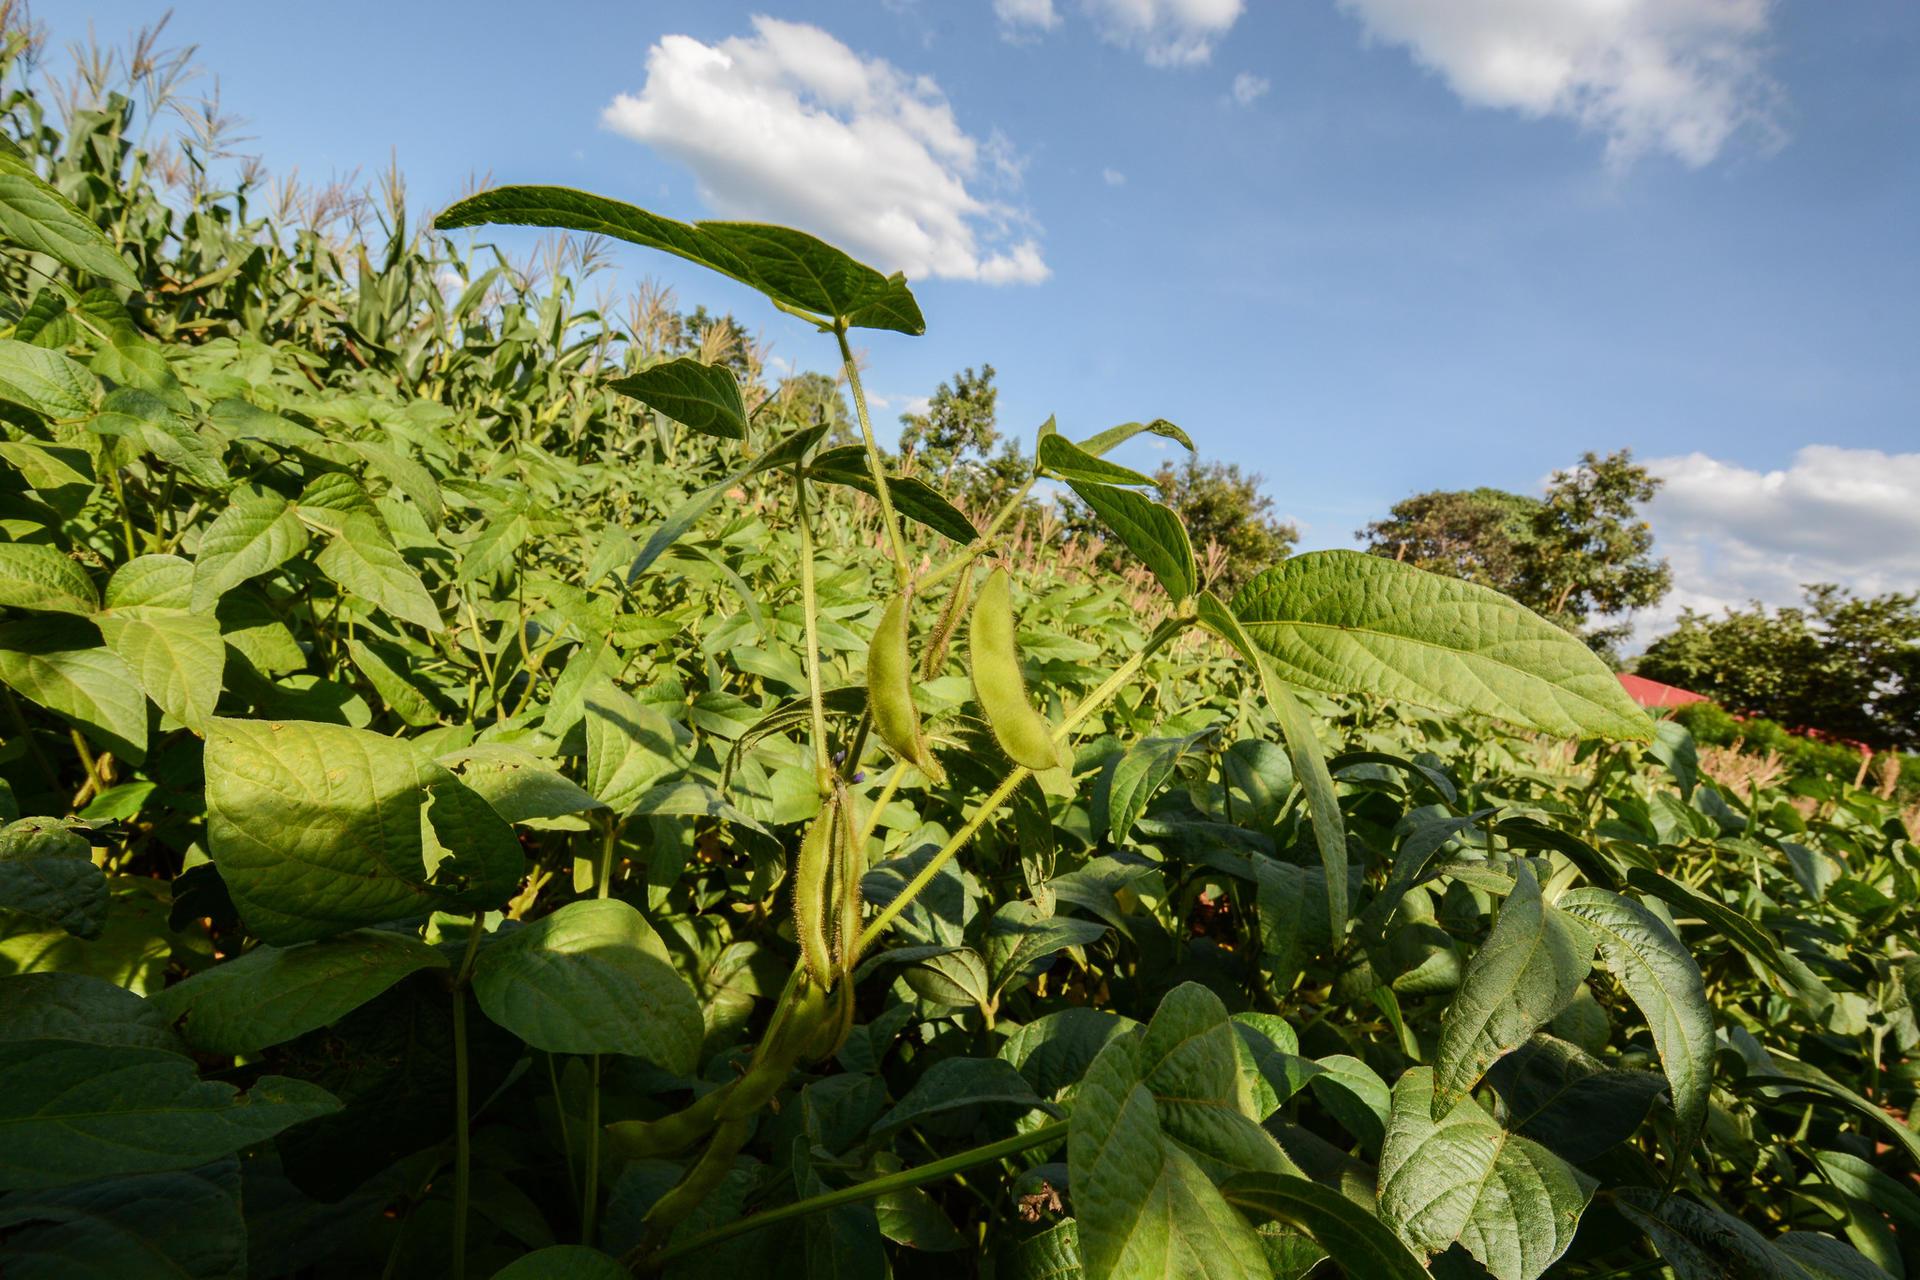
1363, 247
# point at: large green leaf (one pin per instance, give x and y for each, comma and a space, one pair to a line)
1759, 945
593, 977
1151, 530
319, 828
80, 1008
33, 576
47, 874
45, 381
705, 397
1062, 459
631, 745
183, 1225
272, 994
73, 1112
256, 533
564, 1262
1507, 1200
1532, 962
178, 657
518, 784
34, 216
1189, 1060
1358, 1241
913, 498
788, 266
1702, 1243
1145, 1209
1660, 976
60, 664
362, 559
1349, 622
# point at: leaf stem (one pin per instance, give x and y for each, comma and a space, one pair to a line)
902, 563
905, 1179
462, 1139
810, 608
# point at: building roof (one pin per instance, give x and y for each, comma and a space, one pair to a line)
1651, 693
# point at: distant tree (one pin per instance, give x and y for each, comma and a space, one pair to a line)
953, 442
1840, 664
814, 400
1476, 534
1581, 551
1219, 504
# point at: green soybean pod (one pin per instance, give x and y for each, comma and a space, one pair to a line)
850, 863
670, 1134
935, 656
890, 689
810, 874
1001, 690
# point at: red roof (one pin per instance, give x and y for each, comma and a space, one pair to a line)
1651, 693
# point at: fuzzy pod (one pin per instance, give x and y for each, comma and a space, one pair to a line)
670, 1134
1022, 732
849, 863
890, 689
934, 659
697, 1184
812, 871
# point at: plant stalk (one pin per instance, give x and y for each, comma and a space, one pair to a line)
462, 1106
902, 562
918, 1176
810, 608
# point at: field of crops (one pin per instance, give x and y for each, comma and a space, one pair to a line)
489, 791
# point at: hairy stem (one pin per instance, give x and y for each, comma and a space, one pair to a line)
918, 1176
902, 561
810, 607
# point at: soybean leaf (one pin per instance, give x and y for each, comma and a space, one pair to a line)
83, 1009
1062, 459
74, 1112
1532, 962
956, 1084
1123, 791
33, 576
320, 828
1459, 1177
58, 663
787, 451
51, 878
912, 497
1103, 442
1144, 1207
272, 994
1796, 1078
518, 784
593, 977
45, 382
1055, 1049
703, 397
631, 745
1759, 945
178, 657
1347, 622
788, 266
1362, 1244
363, 560
149, 1226
1020, 944
1701, 1243
1569, 1101
256, 533
1189, 1058
1662, 979
37, 217
1147, 528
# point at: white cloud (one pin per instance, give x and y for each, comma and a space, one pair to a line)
1679, 76
1020, 17
1113, 177
1169, 33
1735, 535
790, 125
1249, 88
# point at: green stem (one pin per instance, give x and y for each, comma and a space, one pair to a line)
590, 1197
934, 577
810, 608
603, 879
1000, 794
462, 1139
917, 1176
902, 564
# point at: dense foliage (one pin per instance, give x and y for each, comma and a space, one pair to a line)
492, 793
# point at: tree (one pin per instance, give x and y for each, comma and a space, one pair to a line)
1843, 665
1476, 534
1580, 552
1220, 505
814, 400
954, 441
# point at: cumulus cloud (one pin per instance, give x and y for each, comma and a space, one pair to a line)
1168, 33
790, 125
1019, 18
1249, 88
1735, 535
1676, 76
1113, 177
